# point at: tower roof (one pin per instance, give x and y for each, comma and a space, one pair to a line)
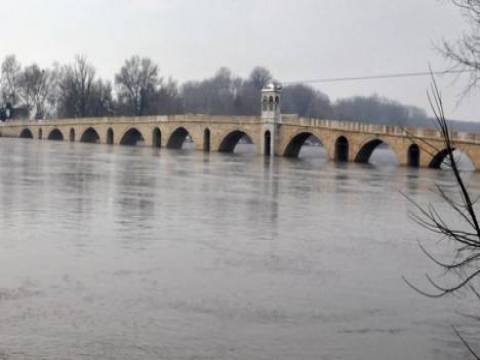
272, 87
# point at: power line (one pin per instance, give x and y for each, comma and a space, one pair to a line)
378, 77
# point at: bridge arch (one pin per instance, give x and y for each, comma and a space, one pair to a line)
56, 135
231, 140
366, 150
72, 135
438, 159
206, 140
177, 138
132, 137
341, 149
110, 136
267, 143
156, 138
26, 134
90, 135
413, 156
297, 141
462, 157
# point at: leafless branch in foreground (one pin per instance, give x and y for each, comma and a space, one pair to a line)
464, 235
465, 52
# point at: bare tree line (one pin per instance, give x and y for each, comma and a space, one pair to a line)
75, 90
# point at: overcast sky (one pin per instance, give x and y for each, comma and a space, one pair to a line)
295, 39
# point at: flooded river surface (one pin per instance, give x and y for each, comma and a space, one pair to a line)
134, 253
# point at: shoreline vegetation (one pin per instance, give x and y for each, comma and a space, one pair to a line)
75, 90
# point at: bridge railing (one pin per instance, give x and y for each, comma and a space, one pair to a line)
139, 119
377, 128
288, 119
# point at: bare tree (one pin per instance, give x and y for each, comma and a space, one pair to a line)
168, 99
83, 76
248, 93
35, 88
137, 83
222, 94
306, 102
464, 263
465, 53
260, 77
101, 101
380, 110
10, 75
78, 90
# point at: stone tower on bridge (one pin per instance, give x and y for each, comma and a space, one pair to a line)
271, 118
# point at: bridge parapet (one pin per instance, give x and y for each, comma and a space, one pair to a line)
377, 128
195, 118
286, 120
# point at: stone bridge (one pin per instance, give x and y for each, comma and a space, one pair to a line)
272, 133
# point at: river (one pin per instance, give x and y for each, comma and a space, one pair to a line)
135, 253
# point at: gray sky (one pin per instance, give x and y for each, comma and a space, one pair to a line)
295, 39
